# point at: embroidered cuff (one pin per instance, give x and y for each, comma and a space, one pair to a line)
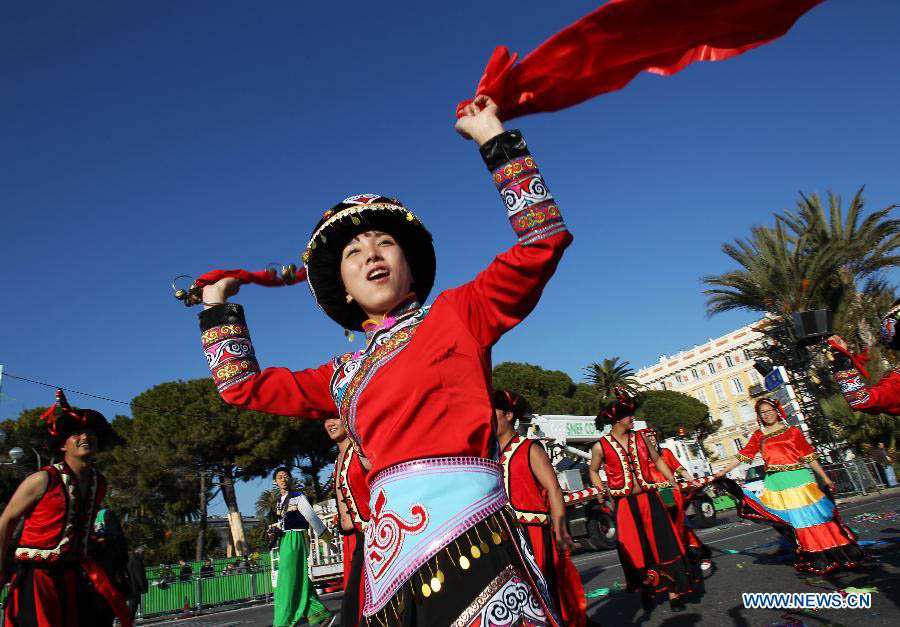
808, 458
852, 387
743, 458
227, 345
530, 207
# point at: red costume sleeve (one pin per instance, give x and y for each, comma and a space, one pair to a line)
232, 361
506, 292
881, 398
804, 449
607, 48
747, 453
671, 461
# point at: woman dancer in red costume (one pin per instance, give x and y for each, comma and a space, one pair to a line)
537, 502
416, 401
791, 499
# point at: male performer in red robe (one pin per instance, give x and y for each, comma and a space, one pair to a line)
51, 570
884, 396
689, 539
352, 495
650, 549
536, 499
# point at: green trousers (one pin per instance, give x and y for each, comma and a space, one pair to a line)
295, 597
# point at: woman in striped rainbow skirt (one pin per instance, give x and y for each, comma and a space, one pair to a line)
792, 501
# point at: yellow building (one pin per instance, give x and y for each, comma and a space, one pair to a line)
719, 374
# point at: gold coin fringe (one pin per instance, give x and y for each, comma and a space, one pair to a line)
429, 579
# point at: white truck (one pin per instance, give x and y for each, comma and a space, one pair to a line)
568, 439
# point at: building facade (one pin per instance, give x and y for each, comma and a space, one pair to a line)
719, 374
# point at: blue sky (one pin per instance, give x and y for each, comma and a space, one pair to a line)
145, 140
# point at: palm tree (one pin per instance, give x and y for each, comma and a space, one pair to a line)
777, 274
609, 374
267, 503
867, 245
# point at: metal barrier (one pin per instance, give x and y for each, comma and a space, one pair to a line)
856, 476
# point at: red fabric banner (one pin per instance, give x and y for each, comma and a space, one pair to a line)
108, 591
607, 48
264, 277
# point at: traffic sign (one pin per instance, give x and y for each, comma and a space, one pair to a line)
774, 380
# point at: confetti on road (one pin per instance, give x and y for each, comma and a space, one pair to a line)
739, 565
872, 590
597, 592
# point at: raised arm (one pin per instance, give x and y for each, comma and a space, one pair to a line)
880, 398
507, 291
232, 361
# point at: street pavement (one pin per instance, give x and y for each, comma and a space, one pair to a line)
743, 561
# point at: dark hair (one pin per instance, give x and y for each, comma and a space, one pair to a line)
282, 469
507, 400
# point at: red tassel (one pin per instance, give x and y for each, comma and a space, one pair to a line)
264, 277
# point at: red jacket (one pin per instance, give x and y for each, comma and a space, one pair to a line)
636, 458
421, 388
527, 496
58, 527
784, 449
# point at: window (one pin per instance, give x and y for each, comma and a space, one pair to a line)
662, 385
677, 378
712, 368
729, 361
694, 373
720, 451
701, 396
726, 416
754, 377
720, 391
736, 385
738, 445
745, 411
747, 355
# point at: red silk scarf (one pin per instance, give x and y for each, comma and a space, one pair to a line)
607, 48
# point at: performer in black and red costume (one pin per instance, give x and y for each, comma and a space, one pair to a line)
698, 551
54, 582
884, 396
650, 548
537, 502
352, 496
440, 548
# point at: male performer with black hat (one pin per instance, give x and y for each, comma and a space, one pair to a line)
650, 550
884, 396
52, 575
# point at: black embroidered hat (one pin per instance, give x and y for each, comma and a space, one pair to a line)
63, 420
624, 405
347, 219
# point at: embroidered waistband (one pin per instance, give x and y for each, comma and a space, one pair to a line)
418, 508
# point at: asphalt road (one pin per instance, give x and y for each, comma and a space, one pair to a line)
743, 561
